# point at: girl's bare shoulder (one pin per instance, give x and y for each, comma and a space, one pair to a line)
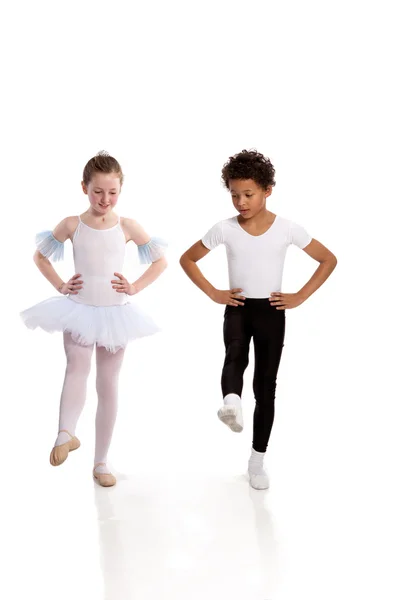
66, 228
134, 231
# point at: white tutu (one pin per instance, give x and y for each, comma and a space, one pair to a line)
109, 326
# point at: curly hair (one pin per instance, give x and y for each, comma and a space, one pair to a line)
249, 164
102, 163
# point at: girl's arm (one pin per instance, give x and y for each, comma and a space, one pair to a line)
327, 263
188, 263
135, 232
61, 233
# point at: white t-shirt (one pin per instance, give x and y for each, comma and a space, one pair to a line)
255, 263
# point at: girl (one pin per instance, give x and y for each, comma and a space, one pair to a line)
93, 309
256, 242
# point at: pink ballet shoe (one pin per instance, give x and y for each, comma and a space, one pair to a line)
59, 454
104, 479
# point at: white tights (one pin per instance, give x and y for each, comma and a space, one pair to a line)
74, 392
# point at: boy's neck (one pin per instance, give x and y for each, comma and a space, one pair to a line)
261, 218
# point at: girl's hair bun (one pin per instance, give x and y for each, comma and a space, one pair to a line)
103, 162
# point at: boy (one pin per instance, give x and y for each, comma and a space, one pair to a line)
256, 242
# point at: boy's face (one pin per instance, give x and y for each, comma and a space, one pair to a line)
248, 197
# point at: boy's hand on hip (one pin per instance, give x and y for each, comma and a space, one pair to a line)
229, 297
285, 301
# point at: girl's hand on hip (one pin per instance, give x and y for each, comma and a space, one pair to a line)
229, 297
122, 285
72, 286
285, 301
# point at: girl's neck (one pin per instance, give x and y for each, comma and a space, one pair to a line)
91, 216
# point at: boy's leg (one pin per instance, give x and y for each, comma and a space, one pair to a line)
269, 333
237, 341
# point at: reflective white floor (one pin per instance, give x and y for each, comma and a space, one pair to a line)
182, 521
185, 535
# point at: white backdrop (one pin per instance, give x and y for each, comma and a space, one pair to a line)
172, 90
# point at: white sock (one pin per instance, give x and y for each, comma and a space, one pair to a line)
233, 400
256, 462
231, 413
257, 474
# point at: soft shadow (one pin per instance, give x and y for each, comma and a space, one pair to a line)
267, 542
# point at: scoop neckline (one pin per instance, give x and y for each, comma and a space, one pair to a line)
94, 228
261, 234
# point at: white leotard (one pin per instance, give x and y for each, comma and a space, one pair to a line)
255, 263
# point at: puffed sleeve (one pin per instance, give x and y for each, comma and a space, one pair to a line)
152, 251
48, 246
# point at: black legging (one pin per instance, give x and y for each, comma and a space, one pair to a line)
259, 320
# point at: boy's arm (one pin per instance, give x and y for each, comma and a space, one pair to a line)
327, 263
188, 262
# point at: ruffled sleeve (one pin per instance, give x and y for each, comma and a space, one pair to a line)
152, 251
48, 246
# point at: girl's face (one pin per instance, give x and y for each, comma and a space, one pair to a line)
103, 191
248, 197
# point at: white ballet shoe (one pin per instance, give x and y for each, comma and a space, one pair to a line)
104, 479
232, 417
59, 454
259, 481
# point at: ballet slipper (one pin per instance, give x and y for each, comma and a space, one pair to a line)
60, 453
104, 479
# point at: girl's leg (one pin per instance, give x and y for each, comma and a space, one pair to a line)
269, 333
237, 342
108, 369
73, 397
